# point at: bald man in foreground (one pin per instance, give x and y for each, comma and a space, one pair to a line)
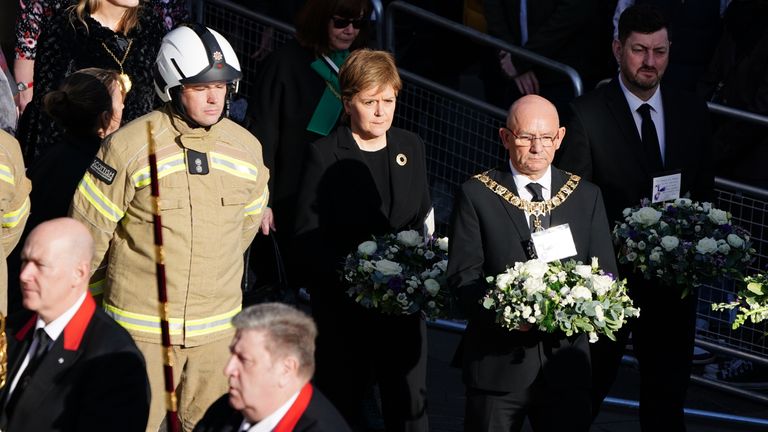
70, 366
511, 375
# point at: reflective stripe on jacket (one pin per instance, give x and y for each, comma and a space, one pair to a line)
213, 189
14, 205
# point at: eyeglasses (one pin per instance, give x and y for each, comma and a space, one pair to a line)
528, 140
341, 23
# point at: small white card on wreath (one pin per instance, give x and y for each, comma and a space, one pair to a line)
554, 243
666, 187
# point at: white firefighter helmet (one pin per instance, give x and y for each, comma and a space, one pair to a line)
194, 54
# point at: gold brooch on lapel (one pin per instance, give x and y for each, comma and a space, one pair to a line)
401, 159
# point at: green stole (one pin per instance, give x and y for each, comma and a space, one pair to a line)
329, 108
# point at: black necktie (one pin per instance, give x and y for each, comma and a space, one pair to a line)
536, 190
43, 342
36, 357
650, 139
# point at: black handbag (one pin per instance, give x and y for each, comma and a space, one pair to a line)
265, 278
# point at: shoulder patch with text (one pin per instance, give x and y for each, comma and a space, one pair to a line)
102, 171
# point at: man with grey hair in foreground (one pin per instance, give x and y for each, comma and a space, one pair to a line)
272, 360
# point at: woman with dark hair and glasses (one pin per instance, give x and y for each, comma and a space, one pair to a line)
298, 100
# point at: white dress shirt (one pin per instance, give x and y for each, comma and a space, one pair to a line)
270, 422
521, 181
657, 113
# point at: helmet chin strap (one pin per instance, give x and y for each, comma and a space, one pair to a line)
179, 107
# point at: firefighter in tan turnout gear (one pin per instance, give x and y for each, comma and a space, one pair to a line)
14, 205
213, 196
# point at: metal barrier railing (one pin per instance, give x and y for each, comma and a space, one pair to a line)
476, 36
460, 134
377, 16
727, 111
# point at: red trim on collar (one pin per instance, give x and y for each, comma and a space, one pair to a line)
22, 333
289, 420
73, 332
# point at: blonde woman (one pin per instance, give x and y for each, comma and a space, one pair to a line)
110, 34
365, 178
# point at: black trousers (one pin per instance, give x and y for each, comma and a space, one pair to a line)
663, 338
605, 356
548, 408
358, 347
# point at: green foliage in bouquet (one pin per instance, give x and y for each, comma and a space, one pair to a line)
752, 301
567, 296
683, 243
399, 274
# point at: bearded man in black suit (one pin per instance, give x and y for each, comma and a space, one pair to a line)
621, 136
513, 374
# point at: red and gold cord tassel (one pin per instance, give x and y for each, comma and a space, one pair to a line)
3, 353
162, 292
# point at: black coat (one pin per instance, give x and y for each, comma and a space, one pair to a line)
320, 416
485, 238
92, 378
55, 177
288, 91
340, 206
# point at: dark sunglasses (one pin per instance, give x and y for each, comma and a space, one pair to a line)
341, 23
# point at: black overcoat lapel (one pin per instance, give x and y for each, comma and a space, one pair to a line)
556, 217
346, 147
673, 115
504, 177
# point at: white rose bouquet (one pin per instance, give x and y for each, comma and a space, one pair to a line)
752, 301
683, 243
567, 296
399, 274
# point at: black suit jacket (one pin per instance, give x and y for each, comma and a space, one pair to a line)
339, 203
486, 237
603, 145
320, 416
92, 378
574, 32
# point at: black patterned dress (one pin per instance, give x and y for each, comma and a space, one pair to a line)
68, 46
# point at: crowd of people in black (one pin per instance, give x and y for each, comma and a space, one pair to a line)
317, 165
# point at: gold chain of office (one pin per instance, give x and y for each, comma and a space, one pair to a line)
538, 208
